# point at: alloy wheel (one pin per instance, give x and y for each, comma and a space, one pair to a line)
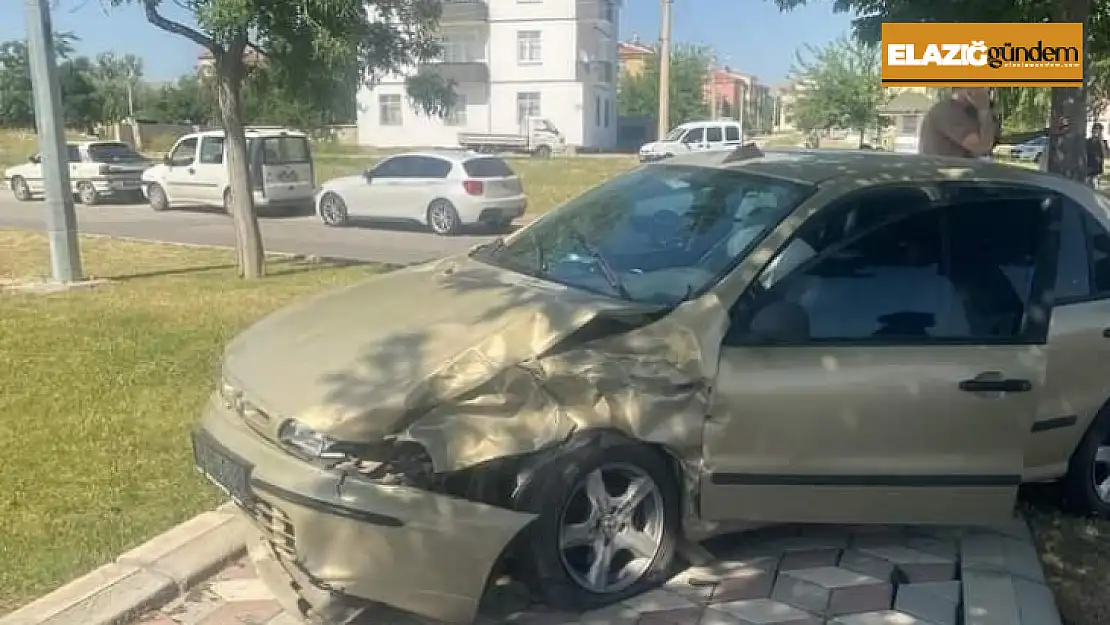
611, 529
442, 218
1100, 473
332, 211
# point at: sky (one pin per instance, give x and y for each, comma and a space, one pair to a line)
751, 36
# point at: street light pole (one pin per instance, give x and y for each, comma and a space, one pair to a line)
61, 219
664, 71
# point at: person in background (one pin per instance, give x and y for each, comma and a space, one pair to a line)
963, 125
1097, 150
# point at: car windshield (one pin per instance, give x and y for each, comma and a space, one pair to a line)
659, 234
549, 127
113, 153
674, 134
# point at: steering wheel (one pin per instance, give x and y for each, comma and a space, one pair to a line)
667, 230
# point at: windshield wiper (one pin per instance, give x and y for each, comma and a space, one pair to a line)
491, 247
603, 264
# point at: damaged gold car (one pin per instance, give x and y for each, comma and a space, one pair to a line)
696, 345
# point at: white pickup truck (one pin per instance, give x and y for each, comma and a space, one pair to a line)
537, 136
97, 170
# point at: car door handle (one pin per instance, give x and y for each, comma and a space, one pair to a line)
192, 171
983, 384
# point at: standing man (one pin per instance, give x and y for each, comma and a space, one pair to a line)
1096, 154
963, 125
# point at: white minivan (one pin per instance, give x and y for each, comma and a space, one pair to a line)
193, 173
703, 136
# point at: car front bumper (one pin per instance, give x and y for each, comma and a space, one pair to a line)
422, 552
653, 158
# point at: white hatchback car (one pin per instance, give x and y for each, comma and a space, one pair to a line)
446, 190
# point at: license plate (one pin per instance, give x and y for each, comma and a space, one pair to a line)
224, 469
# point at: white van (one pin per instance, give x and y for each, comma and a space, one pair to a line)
703, 136
194, 171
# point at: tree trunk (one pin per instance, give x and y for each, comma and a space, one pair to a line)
1067, 154
248, 238
862, 137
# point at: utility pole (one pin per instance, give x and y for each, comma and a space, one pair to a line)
712, 73
665, 71
61, 219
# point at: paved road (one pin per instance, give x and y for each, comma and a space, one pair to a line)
297, 235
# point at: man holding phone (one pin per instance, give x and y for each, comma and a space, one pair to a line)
963, 125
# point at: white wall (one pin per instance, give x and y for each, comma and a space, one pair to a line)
566, 98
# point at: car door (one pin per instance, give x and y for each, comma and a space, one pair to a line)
1076, 385
732, 136
714, 137
208, 172
423, 181
885, 366
375, 196
181, 182
694, 139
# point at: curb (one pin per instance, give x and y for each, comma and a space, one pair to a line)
145, 578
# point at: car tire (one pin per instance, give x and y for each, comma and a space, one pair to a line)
1037, 158
156, 196
87, 194
333, 210
1090, 466
227, 201
543, 151
20, 189
443, 219
562, 492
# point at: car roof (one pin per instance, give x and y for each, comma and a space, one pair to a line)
453, 155
818, 166
251, 132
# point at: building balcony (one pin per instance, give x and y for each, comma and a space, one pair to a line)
464, 12
465, 72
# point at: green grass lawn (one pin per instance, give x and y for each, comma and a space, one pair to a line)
98, 390
548, 182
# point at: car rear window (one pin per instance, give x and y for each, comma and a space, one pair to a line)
112, 153
487, 168
285, 150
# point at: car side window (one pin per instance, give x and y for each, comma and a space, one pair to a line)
212, 151
184, 153
385, 169
1073, 270
732, 133
713, 134
1099, 246
73, 154
936, 275
429, 167
694, 135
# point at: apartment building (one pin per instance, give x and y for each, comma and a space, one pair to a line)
510, 59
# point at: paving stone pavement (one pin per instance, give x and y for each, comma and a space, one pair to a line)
791, 575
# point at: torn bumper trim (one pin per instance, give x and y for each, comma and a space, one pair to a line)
422, 552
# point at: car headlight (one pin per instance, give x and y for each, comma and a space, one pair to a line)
309, 442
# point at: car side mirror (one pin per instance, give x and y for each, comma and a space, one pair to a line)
34, 158
167, 161
367, 176
779, 322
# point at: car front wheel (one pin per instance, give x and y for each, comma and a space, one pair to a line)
20, 189
608, 524
1086, 486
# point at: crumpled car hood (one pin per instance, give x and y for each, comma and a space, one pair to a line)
441, 353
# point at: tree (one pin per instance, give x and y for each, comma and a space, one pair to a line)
81, 104
116, 79
1066, 154
843, 87
639, 94
187, 101
302, 40
17, 102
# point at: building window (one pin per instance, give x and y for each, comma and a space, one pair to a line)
597, 110
389, 110
527, 105
528, 47
462, 47
608, 110
457, 117
908, 125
